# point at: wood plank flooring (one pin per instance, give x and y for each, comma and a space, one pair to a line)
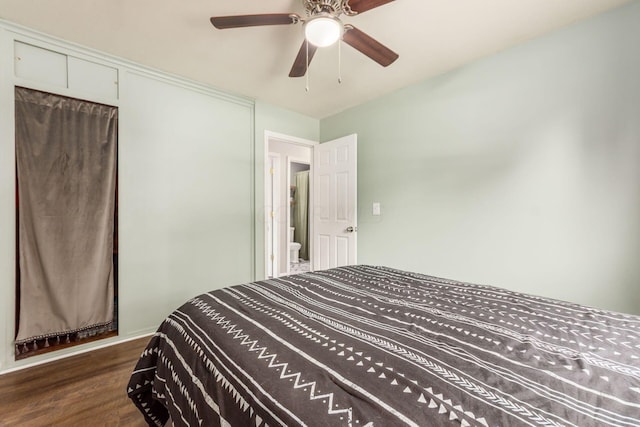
84, 390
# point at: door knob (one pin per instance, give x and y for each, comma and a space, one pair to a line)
351, 229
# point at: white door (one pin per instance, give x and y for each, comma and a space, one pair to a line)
334, 194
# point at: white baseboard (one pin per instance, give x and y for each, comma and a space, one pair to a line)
74, 351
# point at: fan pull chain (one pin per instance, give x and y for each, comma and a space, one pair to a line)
339, 62
306, 74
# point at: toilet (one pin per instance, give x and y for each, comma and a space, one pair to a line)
294, 247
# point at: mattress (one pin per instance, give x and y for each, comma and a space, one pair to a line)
368, 346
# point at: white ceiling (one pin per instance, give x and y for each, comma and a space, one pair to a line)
431, 37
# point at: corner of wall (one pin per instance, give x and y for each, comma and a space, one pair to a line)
7, 200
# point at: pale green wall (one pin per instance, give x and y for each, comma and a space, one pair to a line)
282, 121
185, 197
521, 170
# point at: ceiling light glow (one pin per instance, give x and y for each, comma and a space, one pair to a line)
323, 31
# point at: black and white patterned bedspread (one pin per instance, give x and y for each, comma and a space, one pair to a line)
375, 347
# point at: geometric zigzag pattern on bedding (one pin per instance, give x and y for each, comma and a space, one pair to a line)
365, 346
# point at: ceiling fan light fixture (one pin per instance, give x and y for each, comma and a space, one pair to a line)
323, 31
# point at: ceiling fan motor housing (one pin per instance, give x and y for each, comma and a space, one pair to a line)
331, 7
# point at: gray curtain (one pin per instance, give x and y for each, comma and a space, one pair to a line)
66, 167
301, 213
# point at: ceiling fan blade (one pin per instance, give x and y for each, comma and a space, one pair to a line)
224, 22
299, 68
361, 6
369, 46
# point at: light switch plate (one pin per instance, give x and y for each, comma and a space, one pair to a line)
376, 208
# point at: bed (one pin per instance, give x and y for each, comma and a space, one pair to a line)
368, 346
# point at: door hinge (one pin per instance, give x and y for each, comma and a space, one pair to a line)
272, 171
273, 257
273, 214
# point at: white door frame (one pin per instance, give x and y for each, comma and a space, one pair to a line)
272, 193
287, 139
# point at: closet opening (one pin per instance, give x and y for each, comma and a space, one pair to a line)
66, 222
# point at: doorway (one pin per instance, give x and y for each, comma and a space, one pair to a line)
332, 202
287, 250
299, 237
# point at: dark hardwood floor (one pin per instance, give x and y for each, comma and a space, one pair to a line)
84, 390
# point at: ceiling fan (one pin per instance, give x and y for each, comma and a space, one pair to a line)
322, 27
